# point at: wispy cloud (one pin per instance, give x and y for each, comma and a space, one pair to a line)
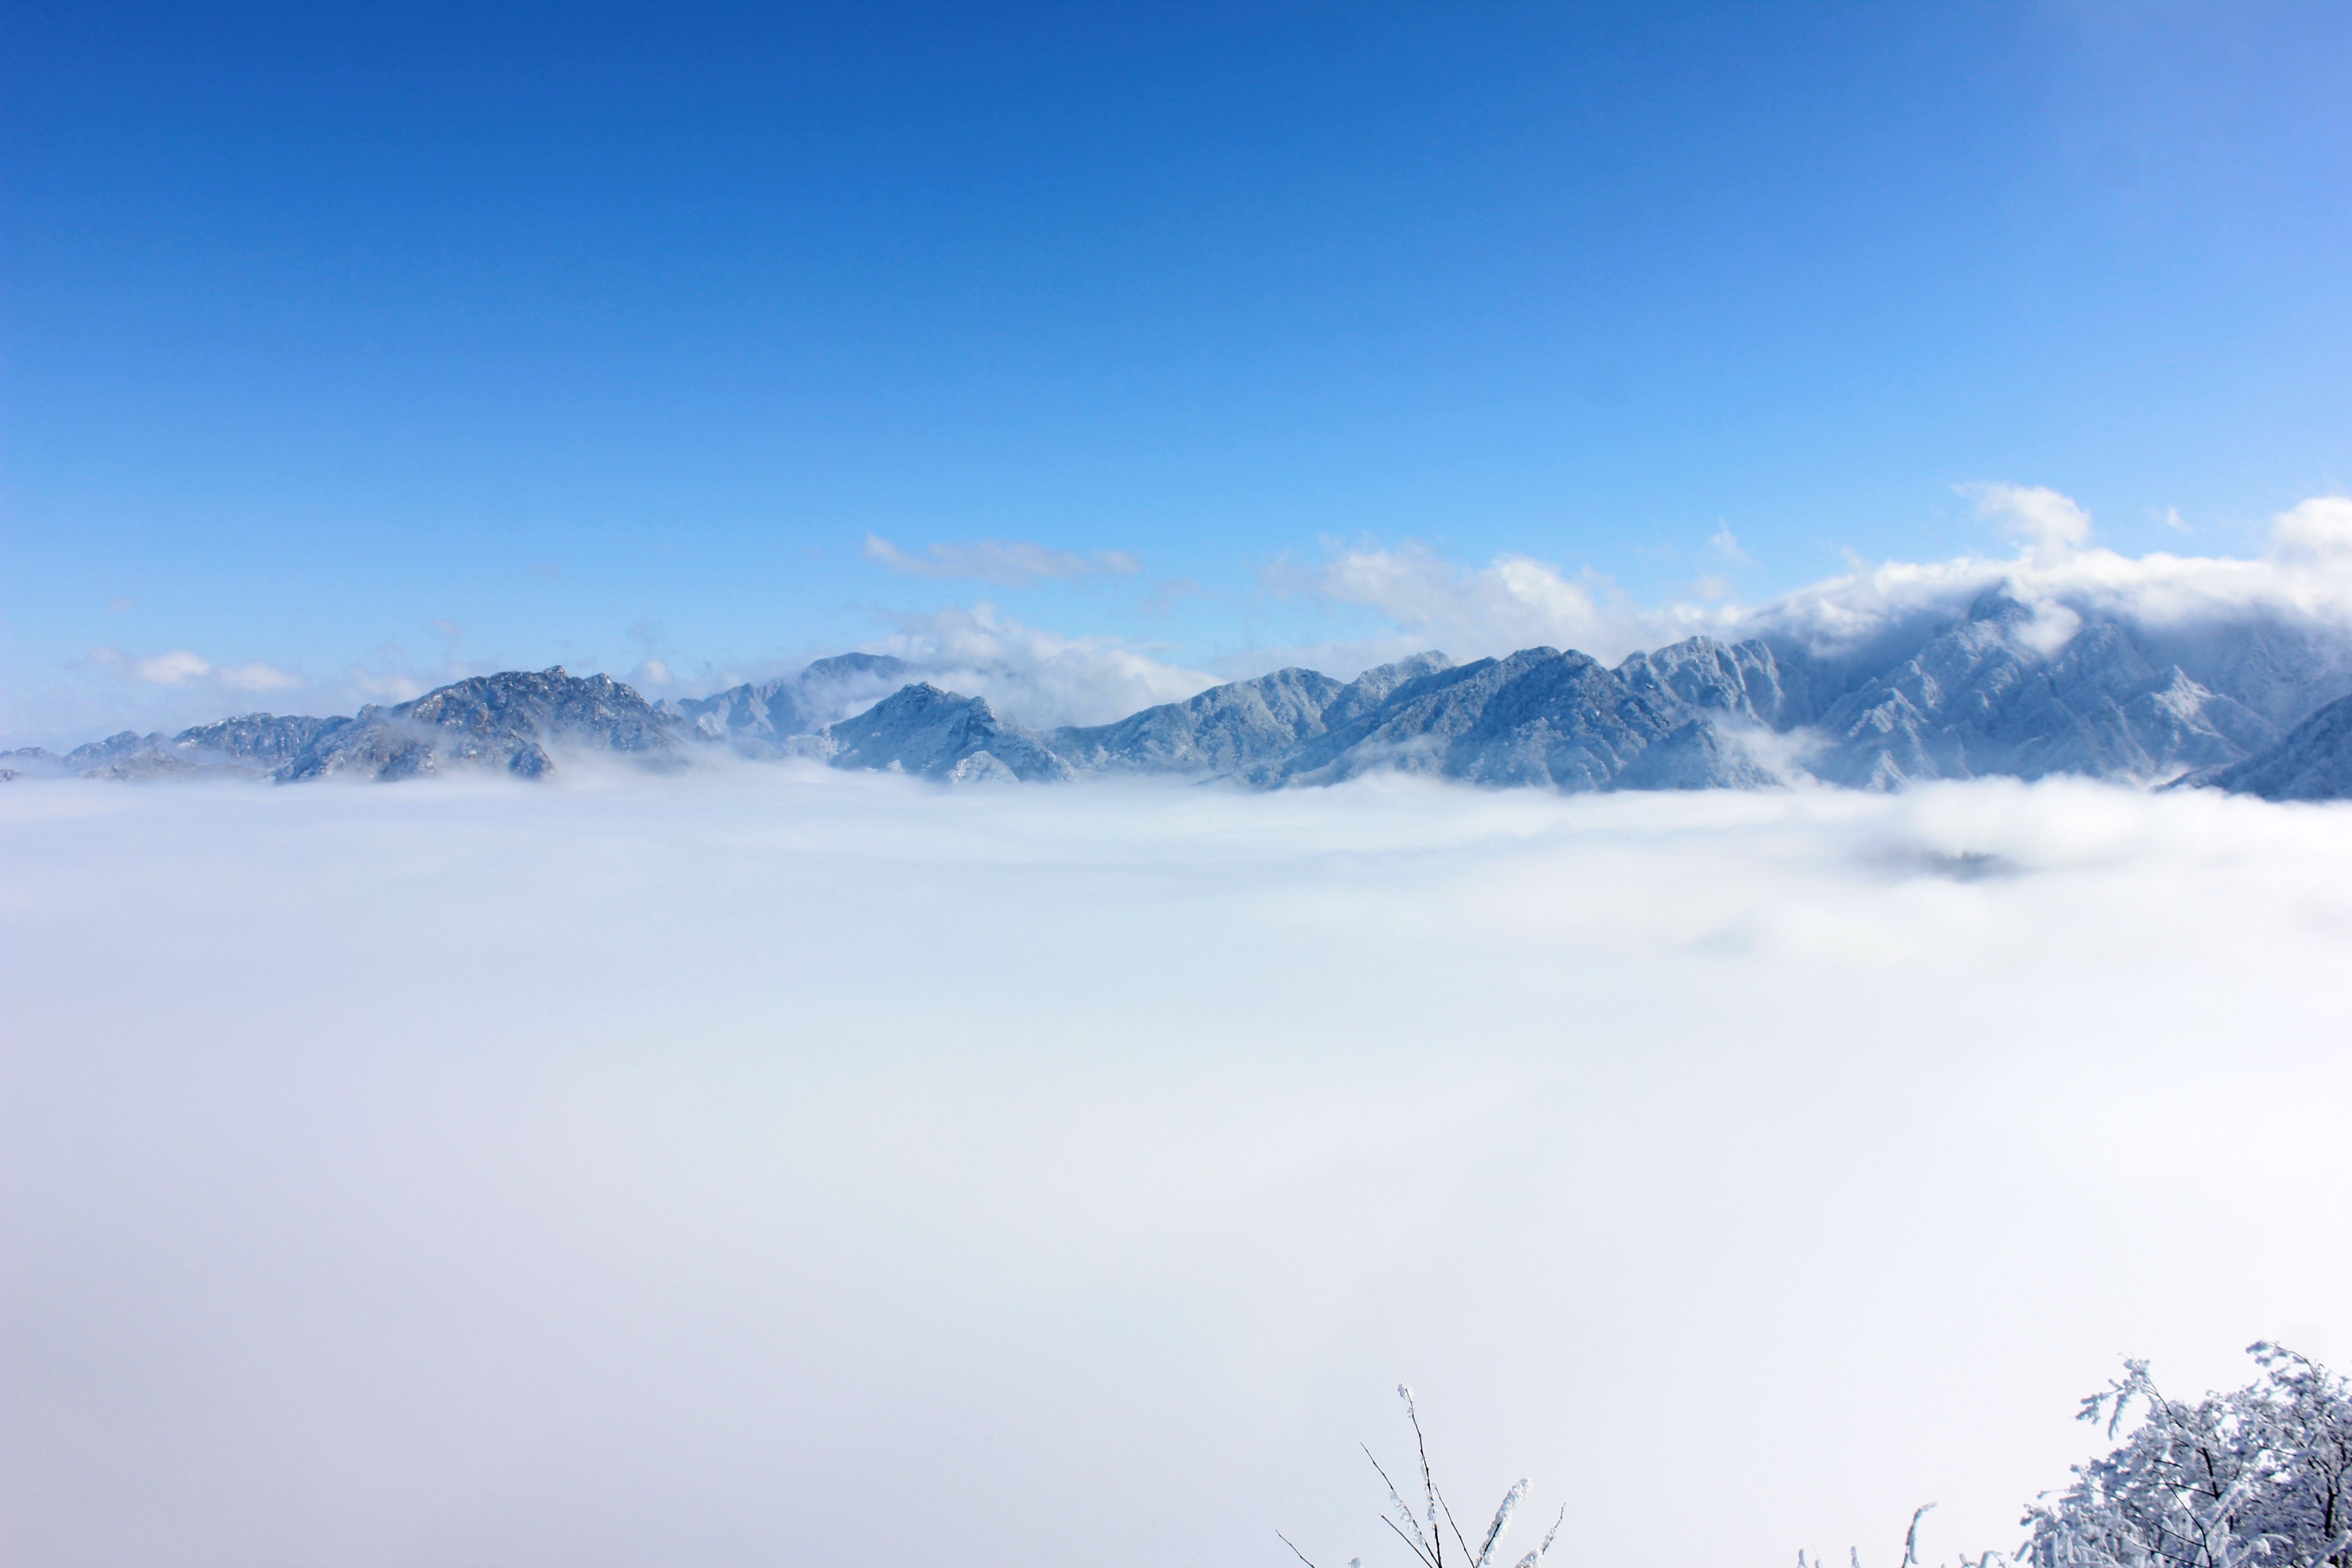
1513, 601
184, 668
1724, 555
1001, 564
384, 682
2047, 522
1169, 593
1037, 677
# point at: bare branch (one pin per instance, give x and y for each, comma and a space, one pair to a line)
1428, 1481
1449, 1521
1408, 1540
1417, 1543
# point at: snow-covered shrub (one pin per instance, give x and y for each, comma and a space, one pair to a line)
2257, 1477
2261, 1476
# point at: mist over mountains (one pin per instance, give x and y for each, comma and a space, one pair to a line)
1989, 693
2067, 660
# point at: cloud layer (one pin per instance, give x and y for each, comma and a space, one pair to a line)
1037, 677
772, 1163
1517, 601
1002, 563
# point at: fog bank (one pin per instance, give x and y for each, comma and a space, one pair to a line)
776, 1164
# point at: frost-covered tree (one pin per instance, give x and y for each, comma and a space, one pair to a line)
2261, 1476
2257, 1477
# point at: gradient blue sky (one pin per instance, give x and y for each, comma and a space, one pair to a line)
333, 335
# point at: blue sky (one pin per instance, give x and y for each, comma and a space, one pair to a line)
410, 337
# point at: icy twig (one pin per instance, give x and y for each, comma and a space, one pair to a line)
1911, 1536
1416, 1541
1502, 1512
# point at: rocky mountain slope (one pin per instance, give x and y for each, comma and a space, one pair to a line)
1538, 717
2311, 762
761, 718
1238, 728
1998, 693
936, 734
517, 721
505, 721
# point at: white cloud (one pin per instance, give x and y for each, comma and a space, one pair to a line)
2315, 535
392, 683
258, 676
2305, 576
181, 667
1712, 588
1513, 602
2048, 523
1036, 676
1723, 548
1516, 601
1005, 564
177, 667
786, 1165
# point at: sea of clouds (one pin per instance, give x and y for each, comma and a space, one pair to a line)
772, 1165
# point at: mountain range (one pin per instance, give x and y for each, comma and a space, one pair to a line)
2311, 762
2000, 687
